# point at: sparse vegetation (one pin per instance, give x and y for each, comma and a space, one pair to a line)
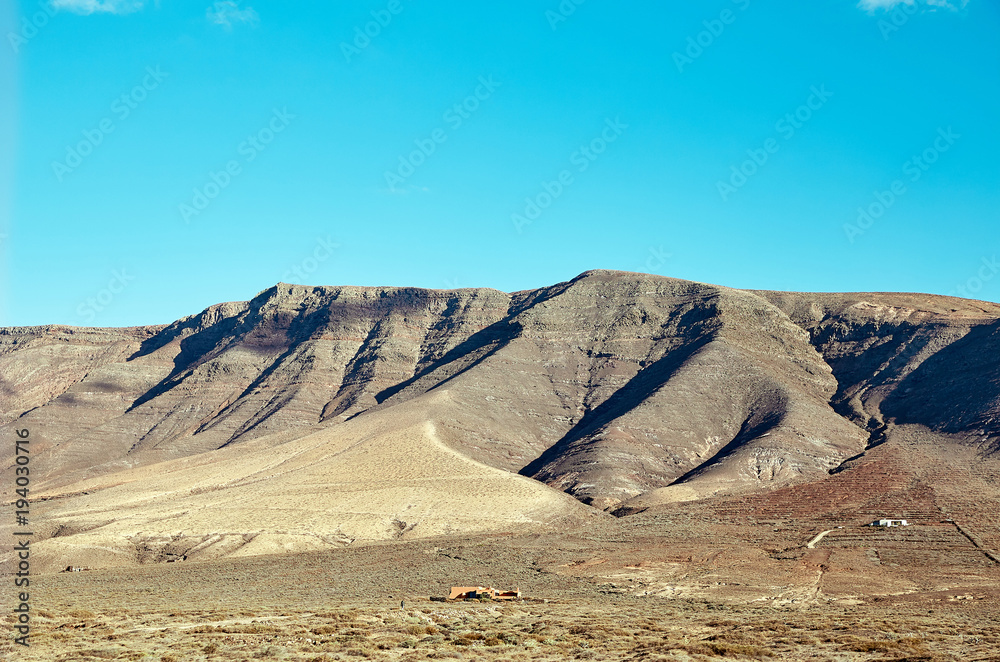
562, 630
667, 589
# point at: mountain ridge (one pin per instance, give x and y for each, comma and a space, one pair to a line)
625, 391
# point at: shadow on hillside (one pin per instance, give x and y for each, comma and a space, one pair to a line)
956, 390
698, 326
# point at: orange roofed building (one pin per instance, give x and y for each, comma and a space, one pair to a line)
478, 592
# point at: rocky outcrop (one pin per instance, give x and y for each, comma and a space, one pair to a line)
907, 358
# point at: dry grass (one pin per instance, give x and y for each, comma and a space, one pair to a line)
564, 630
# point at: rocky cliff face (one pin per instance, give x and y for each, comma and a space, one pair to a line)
606, 387
907, 359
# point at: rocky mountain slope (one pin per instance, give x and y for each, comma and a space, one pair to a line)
623, 390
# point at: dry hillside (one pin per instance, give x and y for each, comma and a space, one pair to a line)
312, 417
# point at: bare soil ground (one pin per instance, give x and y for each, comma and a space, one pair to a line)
657, 587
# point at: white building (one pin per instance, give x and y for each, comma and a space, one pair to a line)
890, 522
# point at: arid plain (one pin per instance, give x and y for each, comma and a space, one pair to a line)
666, 469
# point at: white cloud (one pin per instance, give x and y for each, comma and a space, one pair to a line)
871, 5
98, 6
227, 12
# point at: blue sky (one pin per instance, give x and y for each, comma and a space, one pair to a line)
160, 156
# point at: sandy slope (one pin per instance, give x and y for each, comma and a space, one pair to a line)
382, 476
